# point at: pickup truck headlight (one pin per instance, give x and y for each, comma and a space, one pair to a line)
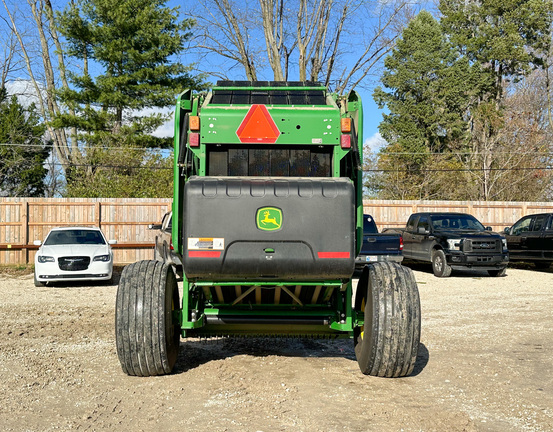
44, 259
454, 244
103, 258
504, 243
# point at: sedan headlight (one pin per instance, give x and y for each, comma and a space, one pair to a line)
454, 244
44, 259
103, 258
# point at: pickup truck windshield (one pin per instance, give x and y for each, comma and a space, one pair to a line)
463, 222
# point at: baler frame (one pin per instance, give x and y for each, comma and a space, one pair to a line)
319, 135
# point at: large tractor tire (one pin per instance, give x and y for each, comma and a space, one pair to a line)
147, 333
388, 342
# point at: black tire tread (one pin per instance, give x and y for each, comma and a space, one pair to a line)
391, 342
146, 346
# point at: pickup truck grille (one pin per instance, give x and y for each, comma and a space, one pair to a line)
473, 245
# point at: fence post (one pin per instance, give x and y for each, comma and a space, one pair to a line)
98, 213
25, 229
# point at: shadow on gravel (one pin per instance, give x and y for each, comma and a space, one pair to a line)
528, 266
427, 268
194, 353
423, 357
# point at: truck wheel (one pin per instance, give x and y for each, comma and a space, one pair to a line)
147, 333
387, 343
439, 264
498, 273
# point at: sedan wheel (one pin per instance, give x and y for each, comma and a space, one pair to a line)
38, 283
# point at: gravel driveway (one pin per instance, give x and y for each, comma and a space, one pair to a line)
485, 364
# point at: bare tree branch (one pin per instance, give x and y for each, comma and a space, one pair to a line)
339, 42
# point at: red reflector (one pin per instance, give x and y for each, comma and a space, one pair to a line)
204, 254
194, 139
333, 254
345, 141
258, 126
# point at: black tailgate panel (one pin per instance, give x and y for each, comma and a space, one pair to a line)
306, 228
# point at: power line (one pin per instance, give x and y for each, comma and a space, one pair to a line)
425, 170
406, 170
543, 153
547, 153
58, 164
85, 147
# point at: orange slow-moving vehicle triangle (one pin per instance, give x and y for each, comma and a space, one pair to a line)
258, 126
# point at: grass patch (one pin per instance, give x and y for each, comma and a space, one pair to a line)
16, 270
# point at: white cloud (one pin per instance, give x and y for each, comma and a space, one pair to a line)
166, 130
375, 143
24, 90
26, 94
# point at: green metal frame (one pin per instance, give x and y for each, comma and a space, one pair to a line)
218, 124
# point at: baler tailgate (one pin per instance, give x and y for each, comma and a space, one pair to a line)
269, 229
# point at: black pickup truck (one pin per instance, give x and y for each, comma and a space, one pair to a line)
531, 239
377, 246
453, 241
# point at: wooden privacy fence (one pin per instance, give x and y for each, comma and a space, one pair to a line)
23, 220
497, 214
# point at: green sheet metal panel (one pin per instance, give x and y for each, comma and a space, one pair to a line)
295, 125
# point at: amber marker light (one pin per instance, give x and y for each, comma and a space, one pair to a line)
194, 122
345, 125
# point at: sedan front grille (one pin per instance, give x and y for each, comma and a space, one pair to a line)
76, 263
484, 245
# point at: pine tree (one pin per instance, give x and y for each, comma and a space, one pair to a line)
429, 91
129, 51
508, 39
22, 149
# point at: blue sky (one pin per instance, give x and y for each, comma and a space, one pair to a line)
372, 115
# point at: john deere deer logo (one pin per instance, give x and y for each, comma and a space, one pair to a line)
269, 218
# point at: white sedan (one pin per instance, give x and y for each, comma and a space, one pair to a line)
73, 253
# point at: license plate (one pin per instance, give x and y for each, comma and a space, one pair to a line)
371, 258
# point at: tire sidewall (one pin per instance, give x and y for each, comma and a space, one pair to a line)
364, 345
171, 326
439, 264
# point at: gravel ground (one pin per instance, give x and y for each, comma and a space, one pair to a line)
484, 364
